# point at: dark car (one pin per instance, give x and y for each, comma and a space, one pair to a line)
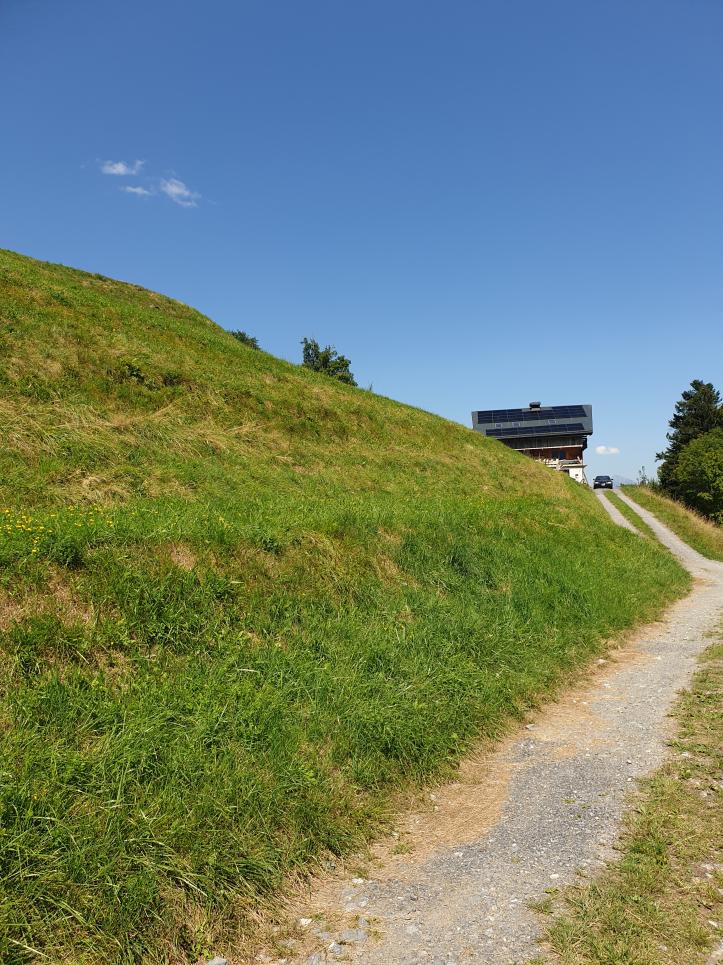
602, 482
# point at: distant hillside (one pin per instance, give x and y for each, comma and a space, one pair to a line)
239, 605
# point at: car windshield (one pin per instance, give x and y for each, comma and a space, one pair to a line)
602, 478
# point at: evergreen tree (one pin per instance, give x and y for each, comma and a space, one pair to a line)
699, 410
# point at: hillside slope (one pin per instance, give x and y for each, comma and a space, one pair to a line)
239, 604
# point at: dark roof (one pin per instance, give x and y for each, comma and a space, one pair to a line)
545, 421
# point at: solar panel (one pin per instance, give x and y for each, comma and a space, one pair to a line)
546, 430
491, 416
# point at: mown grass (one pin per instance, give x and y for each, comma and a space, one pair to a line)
630, 514
703, 535
661, 904
239, 605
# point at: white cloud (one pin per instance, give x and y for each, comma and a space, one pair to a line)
179, 192
121, 168
139, 192
175, 189
607, 450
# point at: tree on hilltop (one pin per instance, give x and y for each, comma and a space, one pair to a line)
327, 360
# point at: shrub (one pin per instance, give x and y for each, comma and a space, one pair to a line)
246, 339
698, 475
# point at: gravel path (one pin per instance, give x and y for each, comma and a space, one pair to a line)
455, 883
614, 512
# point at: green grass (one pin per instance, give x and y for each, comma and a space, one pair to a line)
240, 606
661, 903
703, 535
630, 515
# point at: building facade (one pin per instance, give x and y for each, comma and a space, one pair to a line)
555, 434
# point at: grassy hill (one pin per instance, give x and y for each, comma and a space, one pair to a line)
240, 604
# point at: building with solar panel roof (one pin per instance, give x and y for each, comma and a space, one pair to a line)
553, 434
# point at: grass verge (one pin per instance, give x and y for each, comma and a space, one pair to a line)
700, 533
662, 903
630, 515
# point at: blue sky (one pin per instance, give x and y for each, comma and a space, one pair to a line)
481, 203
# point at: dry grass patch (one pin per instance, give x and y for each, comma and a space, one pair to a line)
60, 599
182, 556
